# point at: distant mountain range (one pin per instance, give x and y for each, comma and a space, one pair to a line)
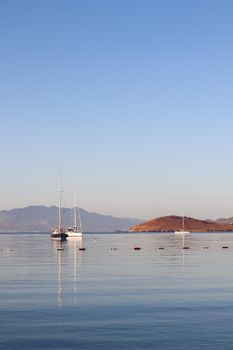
43, 219
172, 223
225, 220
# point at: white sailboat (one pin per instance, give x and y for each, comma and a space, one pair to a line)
59, 233
182, 231
75, 231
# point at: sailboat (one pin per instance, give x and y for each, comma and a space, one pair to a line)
59, 233
182, 231
75, 231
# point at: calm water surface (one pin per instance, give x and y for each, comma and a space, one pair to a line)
113, 297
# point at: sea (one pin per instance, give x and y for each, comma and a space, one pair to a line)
109, 295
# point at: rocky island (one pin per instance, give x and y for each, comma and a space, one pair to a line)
172, 223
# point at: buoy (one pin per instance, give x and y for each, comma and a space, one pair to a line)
137, 248
161, 248
113, 248
225, 247
82, 248
205, 247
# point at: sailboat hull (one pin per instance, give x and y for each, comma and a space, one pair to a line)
181, 232
74, 234
58, 236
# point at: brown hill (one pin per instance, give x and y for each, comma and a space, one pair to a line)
173, 223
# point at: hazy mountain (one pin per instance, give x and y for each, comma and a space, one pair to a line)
225, 220
43, 219
173, 223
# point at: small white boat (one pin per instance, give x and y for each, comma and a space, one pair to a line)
59, 233
182, 231
75, 231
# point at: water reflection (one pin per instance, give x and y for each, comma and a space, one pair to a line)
68, 251
114, 255
126, 300
59, 248
74, 244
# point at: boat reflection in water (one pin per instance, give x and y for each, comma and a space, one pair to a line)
74, 260
75, 244
59, 249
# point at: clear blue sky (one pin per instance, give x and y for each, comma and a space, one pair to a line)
132, 99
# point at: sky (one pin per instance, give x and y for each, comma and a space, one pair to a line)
132, 100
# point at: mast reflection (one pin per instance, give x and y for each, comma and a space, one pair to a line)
59, 249
68, 271
74, 244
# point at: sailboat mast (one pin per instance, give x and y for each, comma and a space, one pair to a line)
183, 222
79, 218
75, 215
59, 208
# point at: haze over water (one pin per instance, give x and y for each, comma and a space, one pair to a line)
113, 297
